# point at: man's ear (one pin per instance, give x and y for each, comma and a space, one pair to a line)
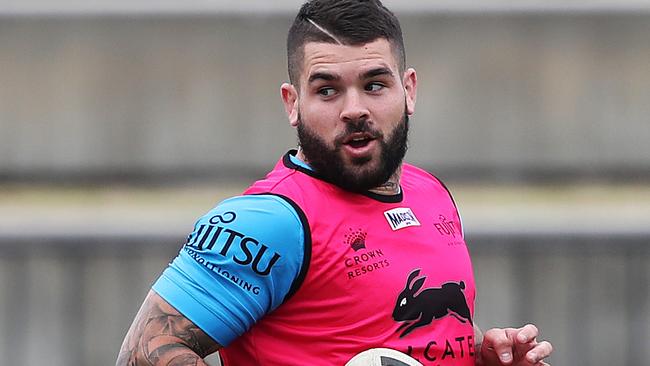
410, 83
290, 101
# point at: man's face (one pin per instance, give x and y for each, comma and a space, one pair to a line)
358, 175
351, 111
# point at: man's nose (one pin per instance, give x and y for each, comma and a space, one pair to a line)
354, 108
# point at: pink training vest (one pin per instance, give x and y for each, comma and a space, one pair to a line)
381, 274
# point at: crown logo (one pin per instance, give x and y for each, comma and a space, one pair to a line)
356, 239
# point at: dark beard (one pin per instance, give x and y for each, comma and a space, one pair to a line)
355, 177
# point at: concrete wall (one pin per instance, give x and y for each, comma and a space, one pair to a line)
501, 95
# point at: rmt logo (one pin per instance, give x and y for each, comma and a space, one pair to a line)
418, 310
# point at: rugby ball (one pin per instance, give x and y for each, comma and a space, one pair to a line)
382, 357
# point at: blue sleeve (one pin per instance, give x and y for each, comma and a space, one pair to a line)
240, 262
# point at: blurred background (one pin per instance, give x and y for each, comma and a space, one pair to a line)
122, 122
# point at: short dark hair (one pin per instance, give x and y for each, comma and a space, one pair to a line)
350, 22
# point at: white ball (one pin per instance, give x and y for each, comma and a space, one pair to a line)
382, 357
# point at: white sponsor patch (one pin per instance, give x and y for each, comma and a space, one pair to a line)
401, 217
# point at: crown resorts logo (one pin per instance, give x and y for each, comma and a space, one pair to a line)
356, 239
364, 261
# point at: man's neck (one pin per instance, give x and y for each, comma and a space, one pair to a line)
389, 188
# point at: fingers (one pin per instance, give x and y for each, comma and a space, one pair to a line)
511, 345
527, 333
535, 352
526, 343
501, 341
539, 352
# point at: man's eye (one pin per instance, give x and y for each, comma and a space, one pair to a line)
373, 87
326, 92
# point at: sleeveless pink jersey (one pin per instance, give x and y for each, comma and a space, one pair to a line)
383, 272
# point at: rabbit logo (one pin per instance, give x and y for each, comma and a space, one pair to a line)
418, 310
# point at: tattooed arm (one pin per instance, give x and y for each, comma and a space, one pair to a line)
160, 335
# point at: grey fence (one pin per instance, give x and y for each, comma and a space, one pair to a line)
69, 300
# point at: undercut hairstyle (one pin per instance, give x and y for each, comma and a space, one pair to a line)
344, 22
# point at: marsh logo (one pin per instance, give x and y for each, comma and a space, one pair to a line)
401, 217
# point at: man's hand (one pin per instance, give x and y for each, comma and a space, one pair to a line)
514, 347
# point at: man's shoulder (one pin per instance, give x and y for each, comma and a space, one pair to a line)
410, 171
413, 176
255, 210
280, 175
289, 180
259, 215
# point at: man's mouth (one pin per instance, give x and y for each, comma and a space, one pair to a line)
358, 140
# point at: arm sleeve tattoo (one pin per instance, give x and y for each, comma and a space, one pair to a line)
160, 335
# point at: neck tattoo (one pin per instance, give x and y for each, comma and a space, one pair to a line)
390, 187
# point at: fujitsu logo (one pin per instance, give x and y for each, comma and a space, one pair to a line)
445, 227
401, 217
218, 238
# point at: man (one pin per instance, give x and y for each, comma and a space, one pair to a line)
342, 247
